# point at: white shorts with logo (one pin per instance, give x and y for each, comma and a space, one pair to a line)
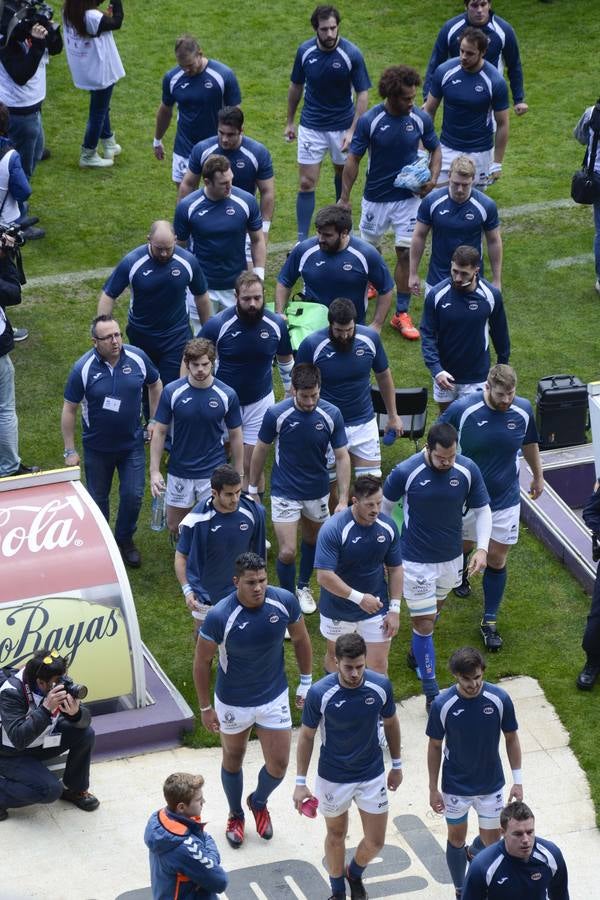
275, 715
252, 416
488, 808
186, 492
505, 525
482, 162
179, 167
335, 798
363, 442
376, 219
426, 583
440, 395
284, 510
220, 300
371, 630
313, 146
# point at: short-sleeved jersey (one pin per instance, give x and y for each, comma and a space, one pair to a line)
347, 719
493, 439
346, 273
328, 77
111, 398
453, 224
502, 48
471, 729
496, 875
245, 351
470, 99
216, 230
301, 443
251, 666
456, 327
392, 142
213, 540
346, 374
357, 554
433, 504
198, 419
158, 289
250, 162
199, 99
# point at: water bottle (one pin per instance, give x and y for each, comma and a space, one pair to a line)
158, 519
389, 437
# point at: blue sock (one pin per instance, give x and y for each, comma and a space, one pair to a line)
307, 562
477, 846
264, 788
338, 884
233, 785
305, 207
494, 582
354, 870
402, 301
286, 574
424, 652
457, 864
337, 182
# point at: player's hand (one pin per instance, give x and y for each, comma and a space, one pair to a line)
301, 793
495, 172
210, 720
343, 504
477, 563
346, 140
55, 698
159, 152
391, 624
72, 459
536, 488
515, 793
192, 603
394, 779
394, 423
370, 604
157, 484
302, 690
445, 381
521, 108
436, 801
346, 204
414, 284
150, 431
426, 188
289, 132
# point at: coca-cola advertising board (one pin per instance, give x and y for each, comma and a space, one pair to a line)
63, 585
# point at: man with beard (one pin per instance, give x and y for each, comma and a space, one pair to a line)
493, 427
158, 275
247, 337
346, 354
336, 264
459, 315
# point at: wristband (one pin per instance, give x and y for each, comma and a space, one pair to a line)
355, 597
394, 606
186, 589
517, 775
252, 489
396, 764
300, 779
306, 679
205, 708
266, 226
157, 143
69, 451
260, 271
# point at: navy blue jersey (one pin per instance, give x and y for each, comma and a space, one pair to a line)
328, 77
250, 162
245, 351
347, 719
456, 328
346, 273
496, 875
357, 554
251, 666
493, 439
158, 289
392, 142
198, 420
471, 729
199, 99
111, 398
301, 443
213, 540
346, 375
453, 224
216, 230
470, 99
433, 504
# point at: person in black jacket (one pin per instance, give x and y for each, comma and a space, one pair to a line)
591, 636
40, 719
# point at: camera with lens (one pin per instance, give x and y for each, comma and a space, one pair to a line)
17, 18
15, 231
77, 691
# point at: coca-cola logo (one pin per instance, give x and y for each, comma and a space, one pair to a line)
48, 527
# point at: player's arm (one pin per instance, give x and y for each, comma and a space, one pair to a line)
203, 307
180, 564
514, 70
293, 99
429, 346
67, 427
382, 307
105, 304
434, 761
361, 106
513, 751
285, 364
236, 442
531, 452
164, 115
257, 465
282, 295
303, 652
417, 248
499, 332
154, 392
343, 471
391, 622
391, 729
190, 182
349, 176
493, 239
501, 140
385, 383
431, 105
558, 889
266, 192
483, 533
435, 164
258, 251
203, 657
304, 749
332, 582
157, 445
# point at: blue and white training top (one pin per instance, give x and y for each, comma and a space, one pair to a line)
471, 729
328, 77
198, 420
347, 719
250, 162
251, 665
357, 554
496, 875
433, 504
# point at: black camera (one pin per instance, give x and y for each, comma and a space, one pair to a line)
17, 18
77, 691
595, 547
16, 231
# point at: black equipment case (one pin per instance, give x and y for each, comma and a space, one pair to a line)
561, 411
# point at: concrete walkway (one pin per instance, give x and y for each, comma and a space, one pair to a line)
61, 853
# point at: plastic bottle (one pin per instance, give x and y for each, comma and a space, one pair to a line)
158, 519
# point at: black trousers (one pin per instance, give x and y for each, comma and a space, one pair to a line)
591, 635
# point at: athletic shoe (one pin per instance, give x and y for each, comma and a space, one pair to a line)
597, 285
411, 662
371, 291
264, 826
587, 677
34, 234
3, 814
463, 590
82, 799
90, 159
110, 148
357, 888
20, 334
306, 600
491, 638
234, 832
403, 323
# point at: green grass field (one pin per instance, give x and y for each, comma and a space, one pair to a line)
93, 218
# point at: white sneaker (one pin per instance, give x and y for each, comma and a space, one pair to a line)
306, 600
597, 285
90, 159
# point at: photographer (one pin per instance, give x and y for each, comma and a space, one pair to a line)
40, 718
591, 636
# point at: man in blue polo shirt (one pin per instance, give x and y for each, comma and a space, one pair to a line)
327, 68
464, 728
215, 221
199, 87
158, 275
336, 264
108, 382
391, 134
475, 95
